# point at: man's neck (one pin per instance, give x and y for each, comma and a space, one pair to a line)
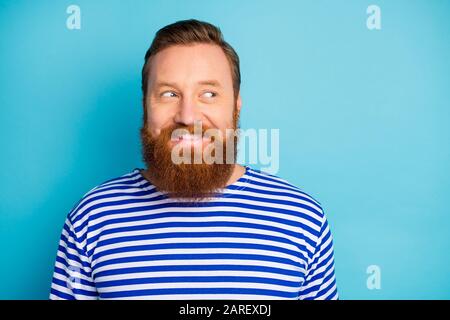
238, 172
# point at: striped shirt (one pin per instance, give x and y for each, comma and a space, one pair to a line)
261, 238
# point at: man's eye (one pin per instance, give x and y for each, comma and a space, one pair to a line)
168, 94
209, 94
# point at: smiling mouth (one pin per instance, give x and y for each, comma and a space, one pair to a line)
190, 140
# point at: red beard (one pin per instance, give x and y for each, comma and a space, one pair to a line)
187, 181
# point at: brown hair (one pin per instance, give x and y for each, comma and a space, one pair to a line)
187, 32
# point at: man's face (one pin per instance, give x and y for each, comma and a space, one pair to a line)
188, 85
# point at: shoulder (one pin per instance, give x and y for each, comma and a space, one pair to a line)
106, 192
276, 187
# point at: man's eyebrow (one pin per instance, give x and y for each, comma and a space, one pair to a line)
213, 83
165, 84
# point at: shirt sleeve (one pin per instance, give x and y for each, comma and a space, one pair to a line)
320, 281
72, 276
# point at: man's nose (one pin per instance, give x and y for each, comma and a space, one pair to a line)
186, 114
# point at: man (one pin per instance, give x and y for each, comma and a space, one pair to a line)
194, 224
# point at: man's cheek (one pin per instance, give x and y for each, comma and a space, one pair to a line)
155, 132
153, 128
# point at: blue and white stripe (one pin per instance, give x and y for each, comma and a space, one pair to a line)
263, 238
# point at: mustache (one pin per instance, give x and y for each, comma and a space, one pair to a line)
191, 129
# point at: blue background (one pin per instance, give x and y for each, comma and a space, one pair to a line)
363, 118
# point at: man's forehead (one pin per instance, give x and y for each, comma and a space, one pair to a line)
196, 63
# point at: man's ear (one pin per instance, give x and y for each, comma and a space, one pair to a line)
239, 102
